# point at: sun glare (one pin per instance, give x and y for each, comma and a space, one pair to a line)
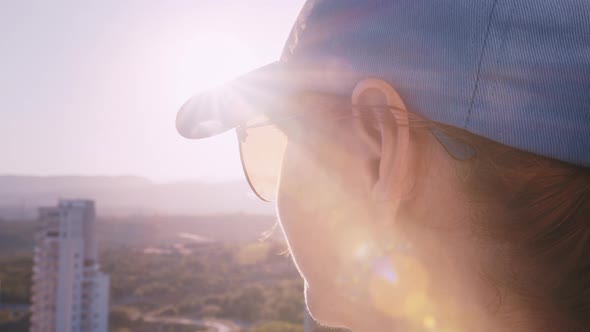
212, 60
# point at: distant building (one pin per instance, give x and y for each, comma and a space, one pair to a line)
69, 292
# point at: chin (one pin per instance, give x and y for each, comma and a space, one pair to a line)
325, 309
331, 310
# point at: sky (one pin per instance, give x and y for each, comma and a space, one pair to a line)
92, 88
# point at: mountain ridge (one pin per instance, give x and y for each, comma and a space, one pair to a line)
21, 195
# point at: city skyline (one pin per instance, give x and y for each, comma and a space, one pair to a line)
94, 89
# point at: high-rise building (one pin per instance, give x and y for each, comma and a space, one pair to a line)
69, 292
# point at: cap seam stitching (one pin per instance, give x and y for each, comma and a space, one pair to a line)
479, 65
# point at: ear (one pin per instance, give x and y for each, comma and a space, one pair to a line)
394, 179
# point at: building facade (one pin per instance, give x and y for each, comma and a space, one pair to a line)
70, 293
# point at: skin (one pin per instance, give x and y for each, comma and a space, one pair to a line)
382, 236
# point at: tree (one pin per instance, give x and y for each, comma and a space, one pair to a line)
276, 326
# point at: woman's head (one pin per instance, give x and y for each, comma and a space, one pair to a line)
430, 216
389, 228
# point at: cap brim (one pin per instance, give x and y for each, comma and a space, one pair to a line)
215, 111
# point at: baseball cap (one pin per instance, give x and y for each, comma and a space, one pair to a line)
515, 72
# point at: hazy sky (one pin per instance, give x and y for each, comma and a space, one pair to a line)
93, 88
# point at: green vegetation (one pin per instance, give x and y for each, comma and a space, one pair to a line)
12, 324
248, 283
16, 238
276, 326
15, 278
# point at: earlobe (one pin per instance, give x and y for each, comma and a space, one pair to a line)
394, 149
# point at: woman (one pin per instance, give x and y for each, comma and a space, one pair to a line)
429, 161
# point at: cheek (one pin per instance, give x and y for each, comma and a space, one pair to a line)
327, 214
322, 199
303, 214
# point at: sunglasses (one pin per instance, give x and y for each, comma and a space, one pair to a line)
263, 140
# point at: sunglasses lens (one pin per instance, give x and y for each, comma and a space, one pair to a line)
261, 151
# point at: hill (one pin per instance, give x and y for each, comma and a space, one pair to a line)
127, 195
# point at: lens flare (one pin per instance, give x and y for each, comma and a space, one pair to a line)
362, 251
429, 323
384, 269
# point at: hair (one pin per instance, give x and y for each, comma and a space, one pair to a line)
539, 209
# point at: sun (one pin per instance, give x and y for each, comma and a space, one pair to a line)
209, 61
